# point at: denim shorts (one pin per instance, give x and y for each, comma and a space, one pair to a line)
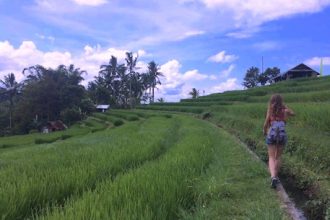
277, 131
272, 142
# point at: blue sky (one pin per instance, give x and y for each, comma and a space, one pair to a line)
206, 44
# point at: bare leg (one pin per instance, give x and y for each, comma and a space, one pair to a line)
278, 153
271, 160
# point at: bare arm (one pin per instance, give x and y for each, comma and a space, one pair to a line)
266, 123
289, 111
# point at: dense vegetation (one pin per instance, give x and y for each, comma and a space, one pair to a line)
51, 94
154, 166
306, 162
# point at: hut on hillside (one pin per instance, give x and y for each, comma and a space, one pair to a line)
54, 126
102, 108
299, 71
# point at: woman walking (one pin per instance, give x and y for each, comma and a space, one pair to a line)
276, 137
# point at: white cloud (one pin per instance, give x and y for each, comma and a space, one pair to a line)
176, 85
247, 16
267, 45
230, 84
27, 54
90, 2
225, 73
256, 12
213, 77
194, 75
43, 37
316, 61
221, 57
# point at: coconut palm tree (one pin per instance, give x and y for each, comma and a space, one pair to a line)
194, 93
11, 89
109, 72
131, 67
154, 74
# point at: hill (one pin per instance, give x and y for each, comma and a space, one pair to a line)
306, 161
133, 165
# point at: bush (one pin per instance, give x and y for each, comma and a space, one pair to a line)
65, 136
132, 118
87, 106
45, 141
33, 131
118, 122
69, 116
5, 145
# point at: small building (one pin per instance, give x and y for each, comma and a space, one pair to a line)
299, 71
102, 108
54, 126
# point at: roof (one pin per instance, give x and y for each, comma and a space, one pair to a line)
299, 68
102, 106
58, 125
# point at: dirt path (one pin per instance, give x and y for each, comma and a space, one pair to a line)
286, 203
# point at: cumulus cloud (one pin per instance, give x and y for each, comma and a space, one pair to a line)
27, 54
256, 12
43, 37
177, 85
222, 57
316, 61
228, 85
267, 45
225, 73
90, 2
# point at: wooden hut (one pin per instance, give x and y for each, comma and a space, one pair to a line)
299, 71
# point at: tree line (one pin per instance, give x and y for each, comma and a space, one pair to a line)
254, 78
48, 94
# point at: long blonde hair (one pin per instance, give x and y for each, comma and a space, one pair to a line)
275, 105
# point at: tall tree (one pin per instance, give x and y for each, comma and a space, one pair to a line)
251, 78
49, 94
194, 93
154, 74
272, 73
161, 100
131, 67
10, 89
110, 85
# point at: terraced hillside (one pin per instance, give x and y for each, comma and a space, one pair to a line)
133, 165
306, 161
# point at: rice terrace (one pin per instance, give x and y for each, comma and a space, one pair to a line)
163, 161
164, 110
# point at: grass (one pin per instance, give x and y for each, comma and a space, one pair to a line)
53, 173
159, 165
306, 161
162, 166
172, 186
229, 184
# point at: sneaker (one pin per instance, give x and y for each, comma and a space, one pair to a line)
274, 182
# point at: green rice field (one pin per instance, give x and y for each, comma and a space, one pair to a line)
152, 166
306, 161
181, 160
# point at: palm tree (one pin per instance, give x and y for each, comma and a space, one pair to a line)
161, 100
194, 93
11, 88
131, 67
75, 74
154, 74
109, 72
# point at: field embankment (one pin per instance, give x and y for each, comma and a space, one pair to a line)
306, 161
151, 166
